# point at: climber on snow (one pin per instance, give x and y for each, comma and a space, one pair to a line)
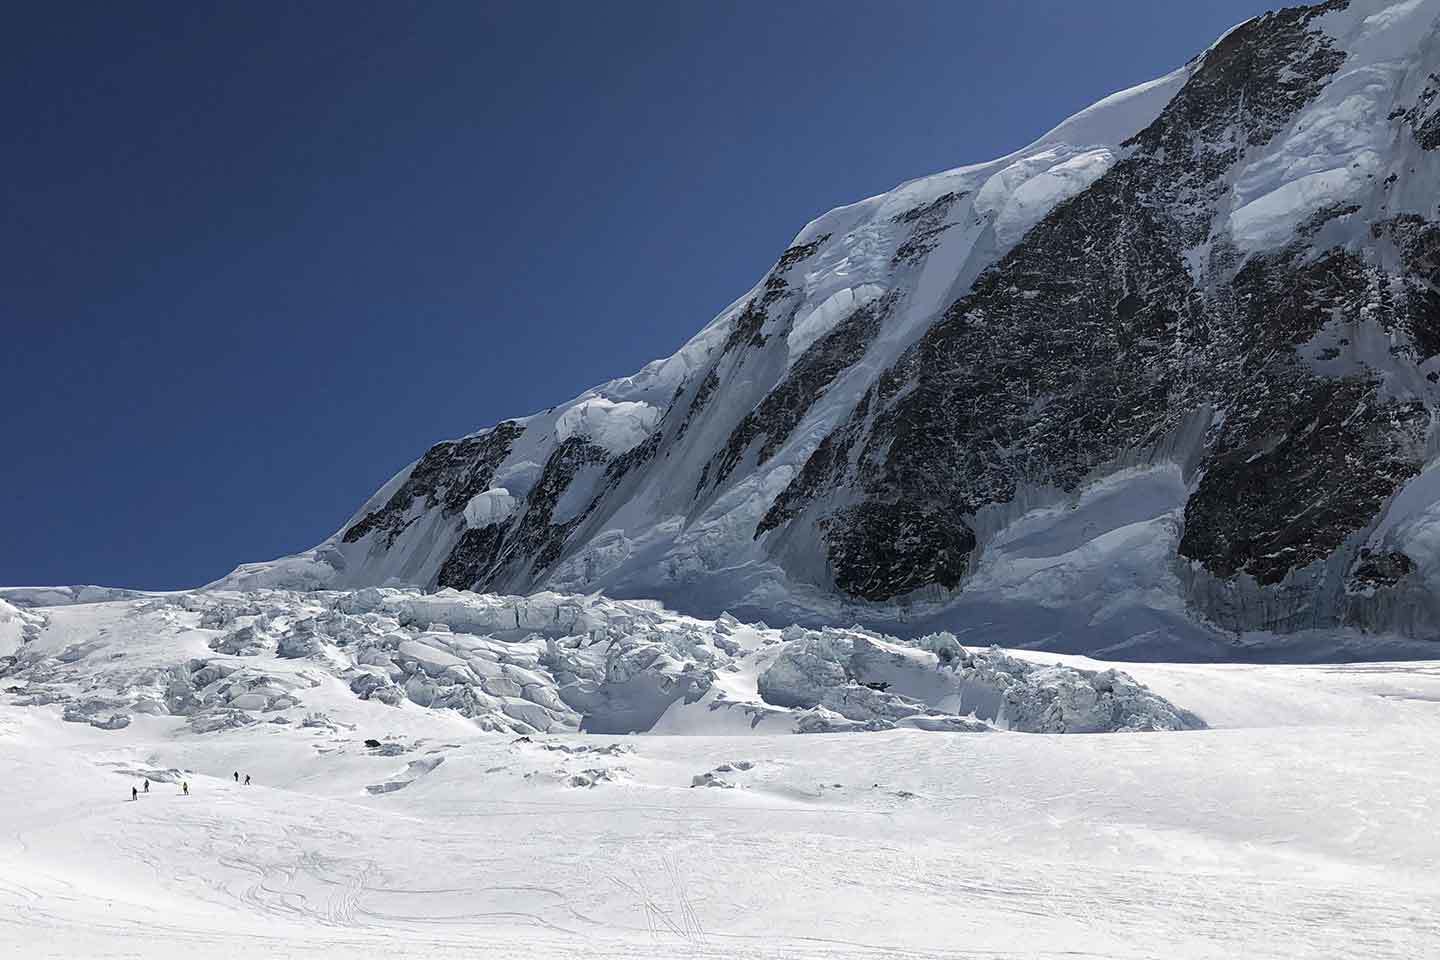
185, 787
134, 794
147, 786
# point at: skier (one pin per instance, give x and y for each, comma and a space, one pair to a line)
147, 786
237, 776
247, 779
134, 794
185, 787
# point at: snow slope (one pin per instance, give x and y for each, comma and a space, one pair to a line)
1299, 825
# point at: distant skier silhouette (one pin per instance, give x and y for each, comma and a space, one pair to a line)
147, 786
185, 787
237, 776
247, 779
134, 794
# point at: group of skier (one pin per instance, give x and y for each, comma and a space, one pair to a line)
184, 786
135, 792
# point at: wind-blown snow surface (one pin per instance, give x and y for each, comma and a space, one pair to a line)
1300, 824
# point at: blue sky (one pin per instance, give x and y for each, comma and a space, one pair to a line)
255, 258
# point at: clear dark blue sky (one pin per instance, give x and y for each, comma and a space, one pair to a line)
255, 257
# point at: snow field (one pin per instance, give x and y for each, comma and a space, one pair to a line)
1299, 825
1255, 841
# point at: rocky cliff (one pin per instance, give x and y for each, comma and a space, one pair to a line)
1160, 383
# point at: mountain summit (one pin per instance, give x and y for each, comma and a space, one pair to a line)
1166, 376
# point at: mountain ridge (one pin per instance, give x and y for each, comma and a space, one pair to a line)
1150, 384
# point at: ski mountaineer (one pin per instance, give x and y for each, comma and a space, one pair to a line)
147, 786
185, 787
134, 794
247, 779
237, 776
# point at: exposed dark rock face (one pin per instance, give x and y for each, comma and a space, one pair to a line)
746, 328
800, 253
825, 467
1053, 364
929, 221
883, 550
489, 554
1380, 569
928, 214
1050, 366
1418, 242
475, 551
537, 542
703, 393
1423, 118
1092, 338
784, 407
745, 331
630, 460
1306, 470
1246, 91
706, 391
697, 403
1301, 461
447, 476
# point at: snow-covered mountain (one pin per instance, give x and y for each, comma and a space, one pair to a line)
1163, 384
1160, 383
